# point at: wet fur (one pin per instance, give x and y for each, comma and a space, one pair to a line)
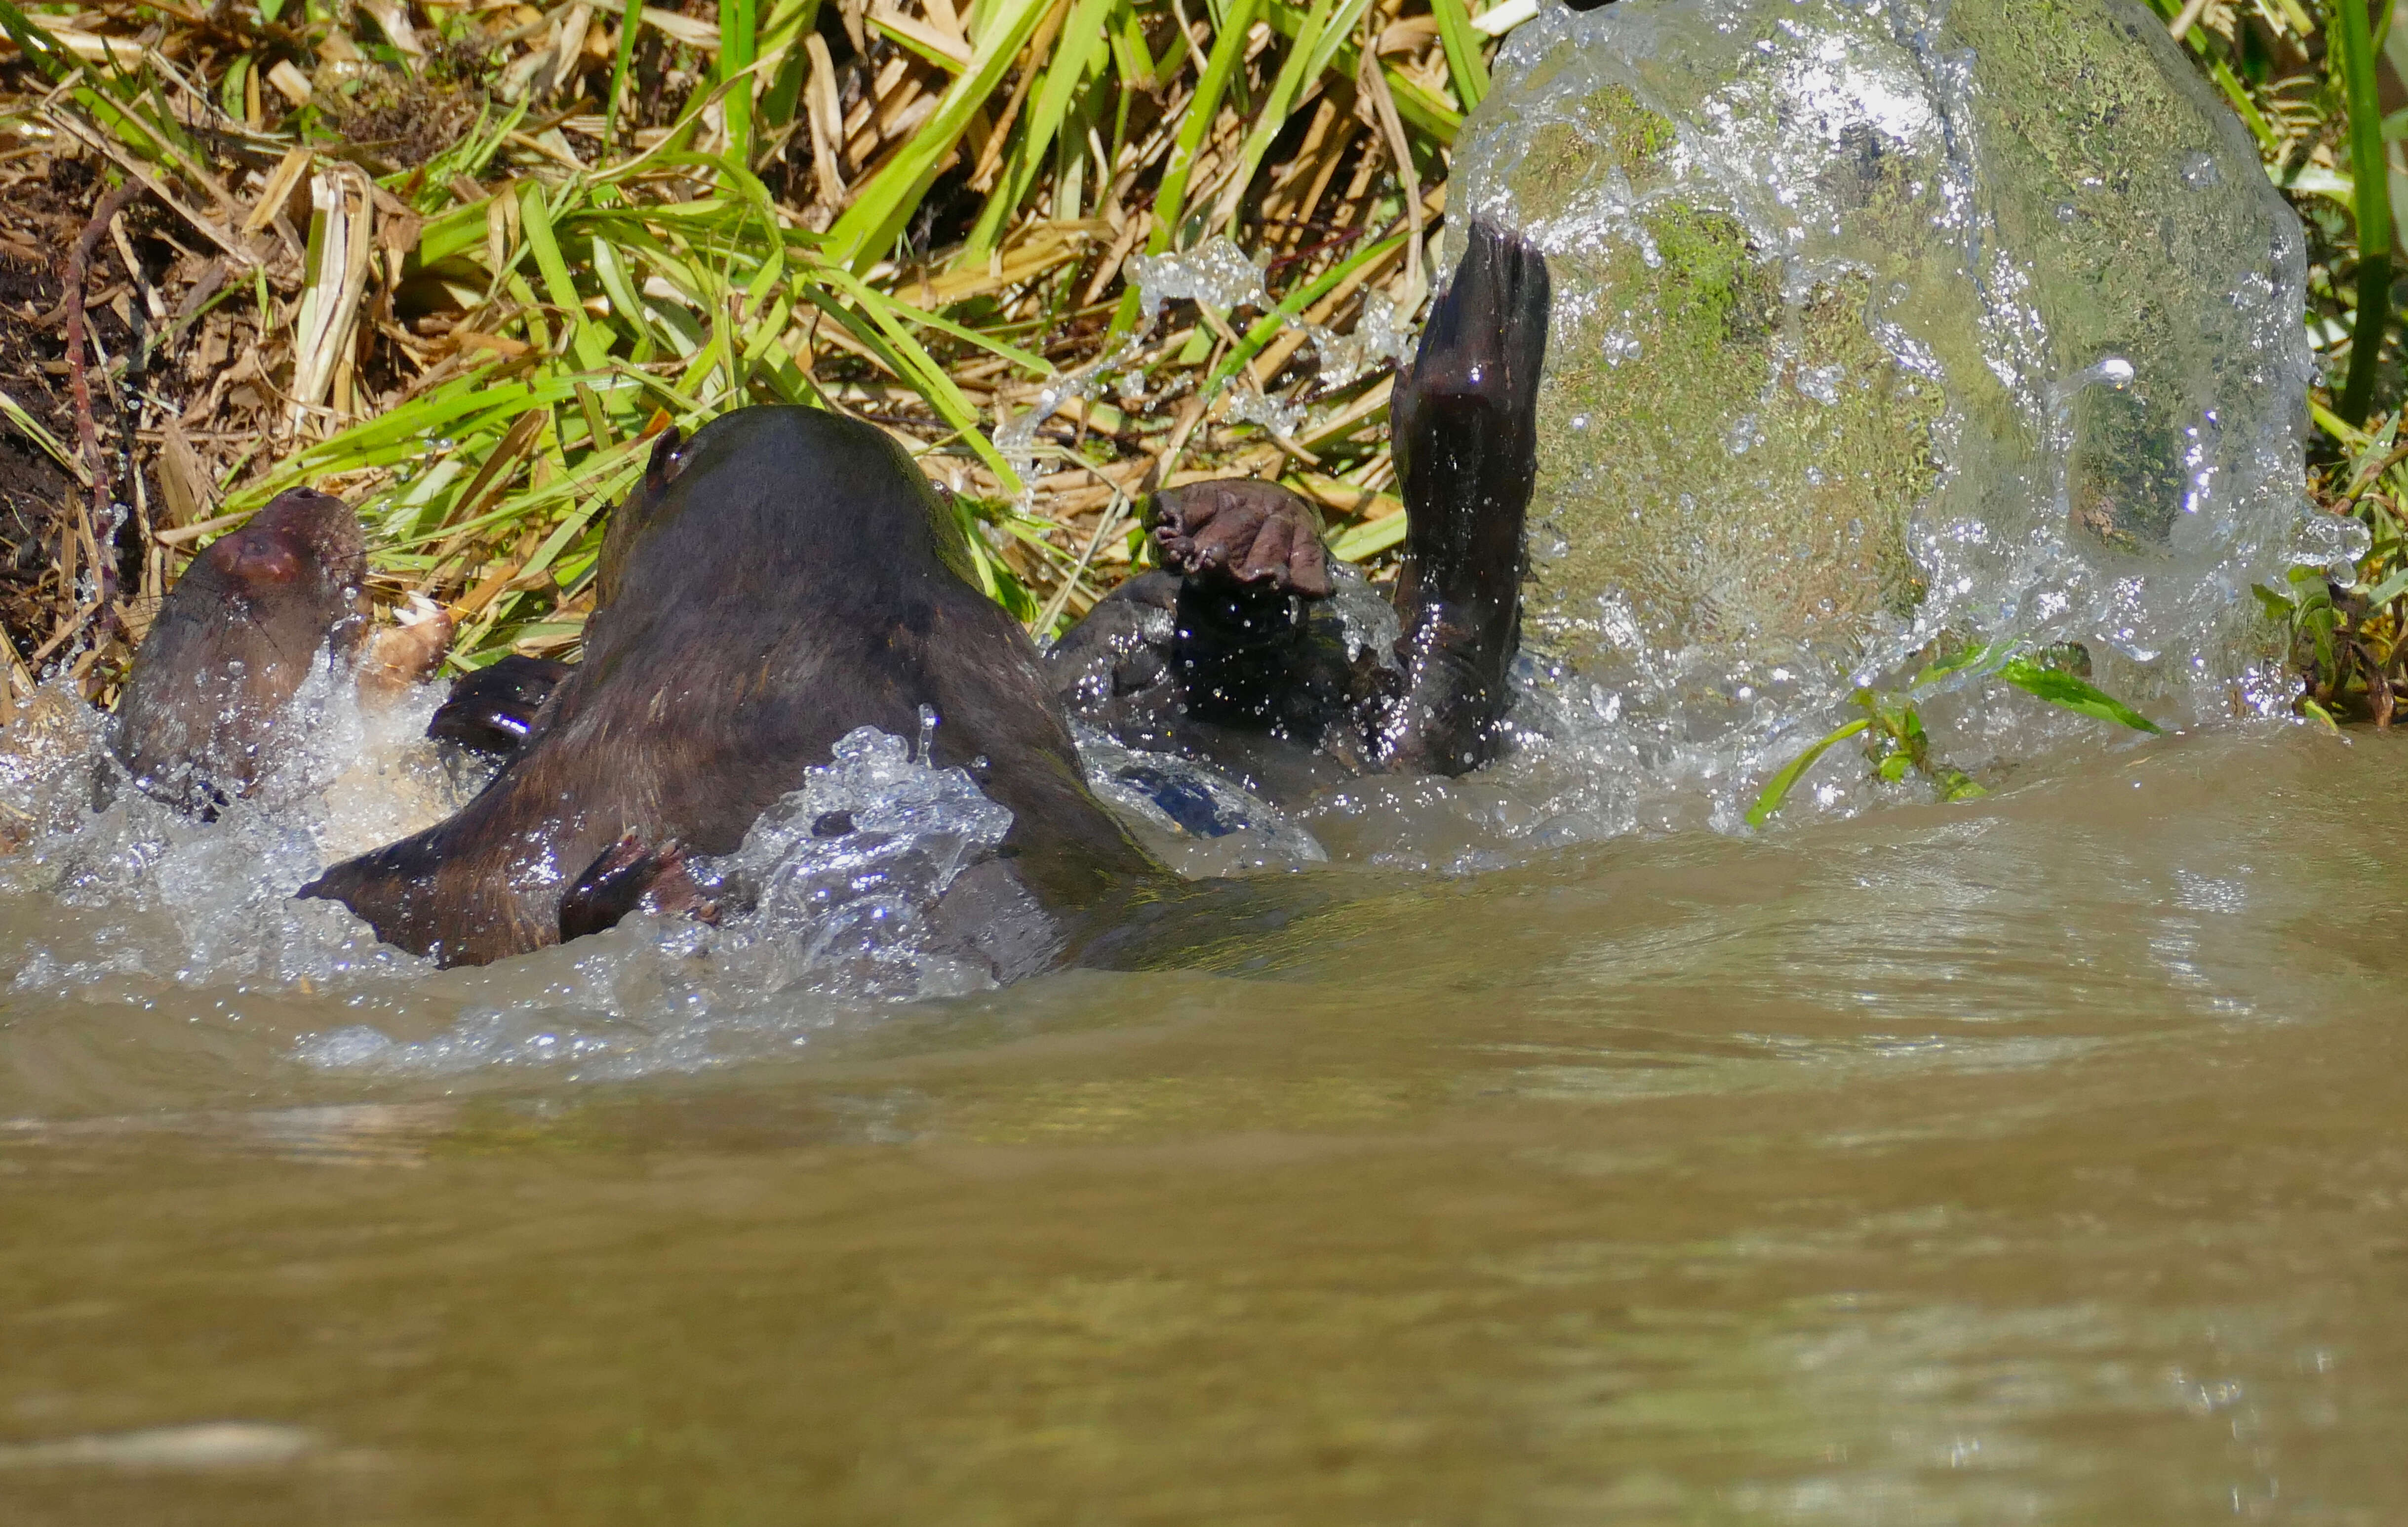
784, 578
231, 643
1465, 426
1229, 654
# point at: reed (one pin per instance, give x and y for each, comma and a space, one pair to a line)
461, 262
460, 259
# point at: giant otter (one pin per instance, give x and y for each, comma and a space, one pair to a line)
1230, 653
788, 575
783, 578
203, 712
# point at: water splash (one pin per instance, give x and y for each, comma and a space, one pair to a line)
1199, 820
1877, 333
829, 899
1218, 274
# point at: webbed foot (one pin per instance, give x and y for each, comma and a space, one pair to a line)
1465, 424
492, 709
628, 877
1254, 532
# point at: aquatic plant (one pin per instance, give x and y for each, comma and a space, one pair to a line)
1892, 725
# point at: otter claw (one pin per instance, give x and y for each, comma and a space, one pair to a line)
627, 877
1248, 530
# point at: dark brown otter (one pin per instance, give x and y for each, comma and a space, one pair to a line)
201, 717
1231, 654
786, 576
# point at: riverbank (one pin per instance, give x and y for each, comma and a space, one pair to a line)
458, 263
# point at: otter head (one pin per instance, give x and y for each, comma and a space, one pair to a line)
232, 642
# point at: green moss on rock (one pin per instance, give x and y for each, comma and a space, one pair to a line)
1839, 286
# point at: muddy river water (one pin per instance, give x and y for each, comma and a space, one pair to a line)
2043, 1158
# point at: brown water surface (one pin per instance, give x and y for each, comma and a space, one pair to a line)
2043, 1159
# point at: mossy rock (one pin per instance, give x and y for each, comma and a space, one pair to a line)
1739, 462
1861, 308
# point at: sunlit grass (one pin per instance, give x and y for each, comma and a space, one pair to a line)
600, 223
476, 253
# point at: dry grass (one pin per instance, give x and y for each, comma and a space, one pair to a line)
458, 262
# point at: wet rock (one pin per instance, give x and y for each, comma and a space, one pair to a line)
1880, 319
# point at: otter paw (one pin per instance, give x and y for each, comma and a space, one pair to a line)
628, 877
493, 709
1243, 529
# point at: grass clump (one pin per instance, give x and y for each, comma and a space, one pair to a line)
459, 262
2309, 82
459, 259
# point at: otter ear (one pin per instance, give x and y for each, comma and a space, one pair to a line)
668, 458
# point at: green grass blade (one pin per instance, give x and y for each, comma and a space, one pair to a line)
1776, 790
2064, 689
535, 225
36, 44
1267, 328
1083, 37
1171, 200
1421, 111
1970, 658
928, 377
631, 22
1362, 542
2356, 58
866, 230
1285, 87
737, 42
2388, 590
1465, 67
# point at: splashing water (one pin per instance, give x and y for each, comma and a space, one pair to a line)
210, 903
829, 899
1219, 275
1840, 371
1880, 331
826, 905
827, 912
1196, 819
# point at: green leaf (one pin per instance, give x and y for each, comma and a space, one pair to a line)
2072, 694
1954, 786
862, 236
534, 224
1465, 67
630, 23
1777, 789
2388, 590
35, 43
1084, 35
2354, 60
1203, 109
1972, 657
2374, 458
1272, 117
1367, 540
